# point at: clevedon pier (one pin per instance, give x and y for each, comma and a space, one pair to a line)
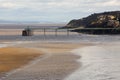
29, 31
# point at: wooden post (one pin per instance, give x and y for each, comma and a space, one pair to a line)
24, 33
44, 31
27, 32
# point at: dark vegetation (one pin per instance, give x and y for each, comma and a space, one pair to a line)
96, 21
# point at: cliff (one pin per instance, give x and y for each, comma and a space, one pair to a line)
97, 20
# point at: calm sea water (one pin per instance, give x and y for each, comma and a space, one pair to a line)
70, 38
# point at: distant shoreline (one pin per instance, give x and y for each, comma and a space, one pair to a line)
24, 25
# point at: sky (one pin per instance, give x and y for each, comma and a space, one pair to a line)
53, 10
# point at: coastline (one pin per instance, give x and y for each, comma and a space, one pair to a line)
12, 57
57, 61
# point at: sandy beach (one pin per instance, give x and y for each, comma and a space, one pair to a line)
57, 62
12, 58
59, 39
59, 58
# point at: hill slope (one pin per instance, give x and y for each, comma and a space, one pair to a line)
97, 20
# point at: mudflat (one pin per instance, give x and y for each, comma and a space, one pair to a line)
56, 63
12, 58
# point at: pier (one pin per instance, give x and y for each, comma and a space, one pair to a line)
30, 31
101, 31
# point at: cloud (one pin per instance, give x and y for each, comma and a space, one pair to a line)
109, 3
7, 5
54, 9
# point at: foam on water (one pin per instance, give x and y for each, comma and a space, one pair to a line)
97, 63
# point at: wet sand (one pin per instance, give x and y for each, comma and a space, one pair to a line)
56, 63
12, 58
99, 62
11, 31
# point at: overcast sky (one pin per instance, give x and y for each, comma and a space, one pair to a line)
53, 10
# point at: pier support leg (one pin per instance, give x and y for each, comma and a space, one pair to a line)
44, 31
27, 33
